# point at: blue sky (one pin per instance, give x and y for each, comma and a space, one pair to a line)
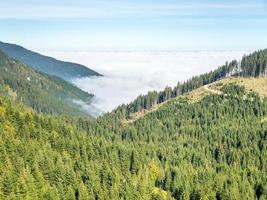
81, 25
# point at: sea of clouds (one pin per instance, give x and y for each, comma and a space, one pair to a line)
129, 74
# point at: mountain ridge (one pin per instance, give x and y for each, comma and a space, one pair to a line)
251, 65
47, 64
258, 85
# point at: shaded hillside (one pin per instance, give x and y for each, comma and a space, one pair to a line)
214, 148
44, 93
49, 65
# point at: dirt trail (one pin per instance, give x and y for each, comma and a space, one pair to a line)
206, 87
138, 115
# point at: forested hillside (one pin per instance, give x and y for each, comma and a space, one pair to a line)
253, 65
44, 93
215, 148
48, 65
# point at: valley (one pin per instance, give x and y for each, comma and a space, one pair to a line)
133, 100
202, 139
178, 151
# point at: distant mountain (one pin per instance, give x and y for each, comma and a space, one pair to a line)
49, 65
42, 92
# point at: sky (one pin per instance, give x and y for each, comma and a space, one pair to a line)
110, 25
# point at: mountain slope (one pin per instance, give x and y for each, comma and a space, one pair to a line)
206, 145
258, 85
214, 148
49, 65
44, 93
252, 65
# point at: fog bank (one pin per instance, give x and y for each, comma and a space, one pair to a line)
128, 74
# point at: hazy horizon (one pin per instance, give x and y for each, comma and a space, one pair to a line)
84, 25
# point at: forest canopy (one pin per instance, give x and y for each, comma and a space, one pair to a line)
212, 149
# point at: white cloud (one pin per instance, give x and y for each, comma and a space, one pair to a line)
128, 74
106, 9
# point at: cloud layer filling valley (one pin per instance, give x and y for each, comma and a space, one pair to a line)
129, 74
